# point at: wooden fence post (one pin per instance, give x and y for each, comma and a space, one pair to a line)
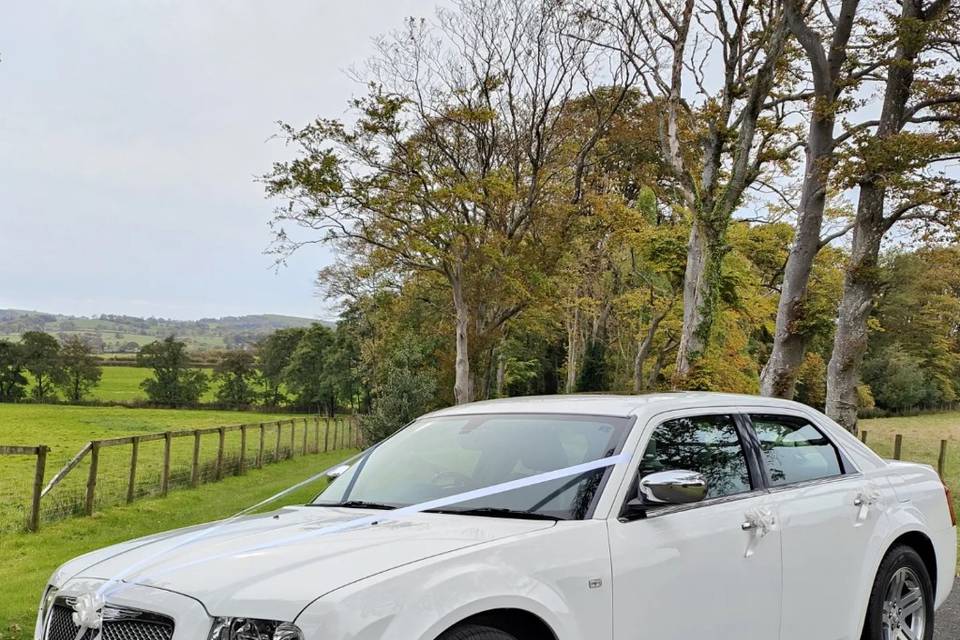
897, 447
33, 523
132, 481
276, 453
260, 450
326, 434
220, 445
863, 436
306, 429
243, 450
942, 458
195, 463
165, 478
316, 434
92, 477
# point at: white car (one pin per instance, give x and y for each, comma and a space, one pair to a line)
721, 517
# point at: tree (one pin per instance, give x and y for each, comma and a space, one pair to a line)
460, 167
405, 393
41, 358
718, 139
174, 382
896, 379
897, 163
81, 373
273, 356
235, 373
826, 40
12, 380
311, 373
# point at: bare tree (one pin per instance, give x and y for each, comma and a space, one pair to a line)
897, 161
711, 66
825, 37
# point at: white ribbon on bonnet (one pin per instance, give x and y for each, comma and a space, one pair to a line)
89, 609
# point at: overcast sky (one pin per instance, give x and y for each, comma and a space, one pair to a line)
130, 133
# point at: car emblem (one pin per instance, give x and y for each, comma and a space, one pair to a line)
88, 611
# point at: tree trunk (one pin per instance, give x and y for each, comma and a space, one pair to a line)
643, 352
462, 391
697, 315
860, 287
861, 284
779, 376
501, 373
573, 346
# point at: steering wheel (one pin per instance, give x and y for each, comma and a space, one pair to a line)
451, 480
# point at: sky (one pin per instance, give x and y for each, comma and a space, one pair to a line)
131, 132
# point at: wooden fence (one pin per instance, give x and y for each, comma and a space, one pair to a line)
40, 451
292, 438
898, 450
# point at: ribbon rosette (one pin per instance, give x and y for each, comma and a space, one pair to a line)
88, 612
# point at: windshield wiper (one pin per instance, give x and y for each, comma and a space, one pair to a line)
499, 512
360, 504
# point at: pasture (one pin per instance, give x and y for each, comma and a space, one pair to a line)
66, 429
122, 384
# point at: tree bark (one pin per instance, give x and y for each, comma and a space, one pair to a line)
779, 375
462, 391
695, 292
643, 352
573, 345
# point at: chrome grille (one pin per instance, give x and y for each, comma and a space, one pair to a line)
142, 626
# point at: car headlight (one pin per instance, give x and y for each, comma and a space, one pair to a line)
253, 629
45, 604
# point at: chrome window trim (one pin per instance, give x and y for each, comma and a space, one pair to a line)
816, 482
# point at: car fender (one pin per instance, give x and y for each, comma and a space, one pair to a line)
421, 601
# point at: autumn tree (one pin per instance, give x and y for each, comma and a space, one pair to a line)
826, 33
718, 135
81, 372
458, 167
897, 162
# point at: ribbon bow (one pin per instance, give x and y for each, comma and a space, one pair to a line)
761, 521
88, 613
867, 497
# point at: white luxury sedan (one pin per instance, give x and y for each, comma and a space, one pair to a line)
688, 516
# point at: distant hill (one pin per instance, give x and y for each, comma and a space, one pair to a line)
125, 334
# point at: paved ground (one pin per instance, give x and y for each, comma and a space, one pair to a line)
948, 617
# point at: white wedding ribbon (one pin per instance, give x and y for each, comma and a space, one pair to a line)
114, 584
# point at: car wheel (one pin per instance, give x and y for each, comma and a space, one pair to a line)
475, 632
901, 603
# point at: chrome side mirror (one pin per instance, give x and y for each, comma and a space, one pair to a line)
672, 487
336, 472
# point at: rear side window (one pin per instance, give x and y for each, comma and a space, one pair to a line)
794, 450
709, 445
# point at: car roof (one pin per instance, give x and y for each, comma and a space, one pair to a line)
613, 405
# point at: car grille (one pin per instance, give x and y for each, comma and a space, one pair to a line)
145, 627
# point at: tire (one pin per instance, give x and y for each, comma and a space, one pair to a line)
475, 632
887, 610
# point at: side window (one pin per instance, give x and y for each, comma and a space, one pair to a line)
794, 450
709, 445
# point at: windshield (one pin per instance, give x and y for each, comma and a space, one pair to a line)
439, 457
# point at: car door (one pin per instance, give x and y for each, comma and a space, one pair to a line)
706, 570
828, 514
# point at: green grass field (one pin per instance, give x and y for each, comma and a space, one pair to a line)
122, 384
66, 429
29, 559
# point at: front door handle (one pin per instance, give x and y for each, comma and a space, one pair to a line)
759, 522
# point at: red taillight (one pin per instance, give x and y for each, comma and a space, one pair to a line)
953, 513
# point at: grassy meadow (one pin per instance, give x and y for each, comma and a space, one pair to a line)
66, 429
122, 384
